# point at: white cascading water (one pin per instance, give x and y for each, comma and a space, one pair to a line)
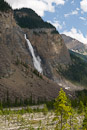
36, 60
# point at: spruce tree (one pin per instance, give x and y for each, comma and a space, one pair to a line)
62, 110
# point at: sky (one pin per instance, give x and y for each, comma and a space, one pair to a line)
68, 16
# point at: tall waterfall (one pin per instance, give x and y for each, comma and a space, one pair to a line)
36, 60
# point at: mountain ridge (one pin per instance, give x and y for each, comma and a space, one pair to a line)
74, 44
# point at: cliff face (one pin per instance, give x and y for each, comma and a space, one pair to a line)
46, 40
18, 79
12, 43
51, 49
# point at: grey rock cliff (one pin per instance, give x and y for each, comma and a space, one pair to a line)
51, 49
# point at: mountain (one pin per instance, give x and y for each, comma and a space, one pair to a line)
46, 39
19, 80
76, 72
74, 44
49, 45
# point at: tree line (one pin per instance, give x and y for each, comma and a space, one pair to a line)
30, 19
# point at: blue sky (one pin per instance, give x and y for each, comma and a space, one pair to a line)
68, 16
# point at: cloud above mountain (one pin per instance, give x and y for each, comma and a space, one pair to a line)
40, 6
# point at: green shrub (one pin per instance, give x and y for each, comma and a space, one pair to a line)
24, 64
37, 73
29, 110
36, 33
45, 109
85, 120
55, 32
17, 62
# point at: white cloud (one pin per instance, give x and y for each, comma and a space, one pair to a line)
77, 34
40, 6
82, 18
77, 9
56, 24
83, 5
75, 12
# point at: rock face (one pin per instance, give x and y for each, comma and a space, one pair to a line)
46, 40
51, 49
74, 44
12, 43
18, 79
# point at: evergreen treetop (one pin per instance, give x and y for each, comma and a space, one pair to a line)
4, 6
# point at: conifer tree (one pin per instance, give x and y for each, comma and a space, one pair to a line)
62, 110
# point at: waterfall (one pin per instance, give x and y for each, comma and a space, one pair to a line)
36, 60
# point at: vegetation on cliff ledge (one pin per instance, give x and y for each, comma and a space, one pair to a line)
27, 18
4, 6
